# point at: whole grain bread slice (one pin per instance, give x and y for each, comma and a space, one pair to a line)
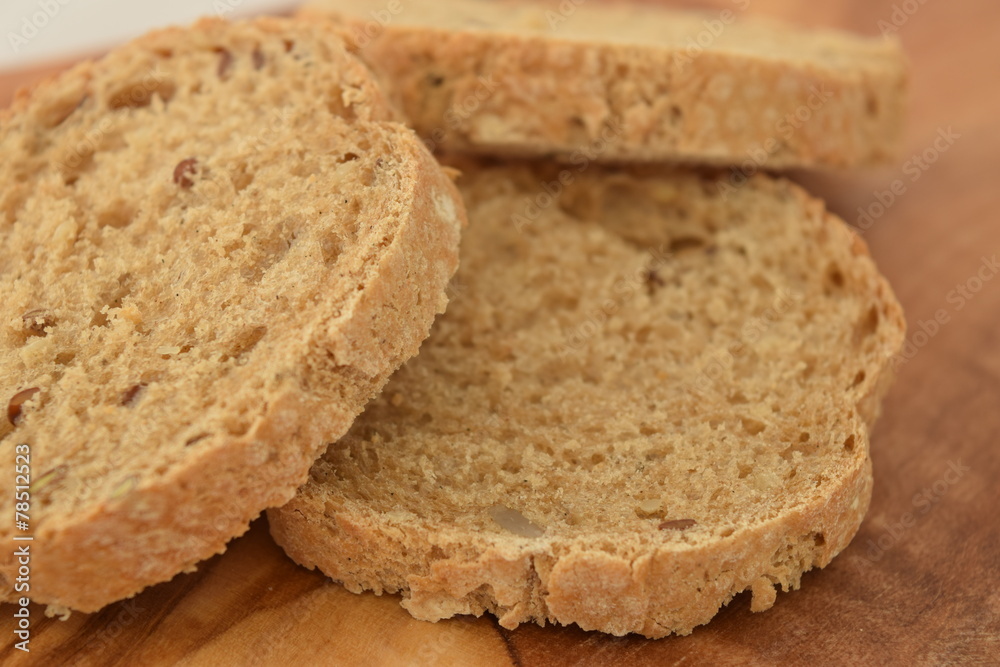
629, 81
214, 250
649, 394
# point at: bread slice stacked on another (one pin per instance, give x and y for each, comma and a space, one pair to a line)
646, 400
631, 81
655, 385
214, 250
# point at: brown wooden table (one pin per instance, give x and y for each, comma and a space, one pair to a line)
919, 584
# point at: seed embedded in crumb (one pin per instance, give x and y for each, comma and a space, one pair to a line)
122, 489
515, 522
129, 395
650, 507
196, 439
38, 320
50, 478
184, 169
678, 524
396, 400
19, 399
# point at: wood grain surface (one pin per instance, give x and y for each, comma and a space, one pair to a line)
918, 586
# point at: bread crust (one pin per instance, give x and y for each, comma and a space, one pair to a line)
603, 581
168, 520
499, 82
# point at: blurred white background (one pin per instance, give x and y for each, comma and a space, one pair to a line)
37, 31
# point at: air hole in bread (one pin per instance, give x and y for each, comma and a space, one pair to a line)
872, 105
762, 283
752, 426
336, 106
834, 276
65, 358
242, 177
132, 395
237, 427
858, 378
37, 322
100, 319
576, 132
849, 443
331, 246
78, 161
117, 215
800, 448
246, 341
676, 115
683, 243
139, 94
868, 325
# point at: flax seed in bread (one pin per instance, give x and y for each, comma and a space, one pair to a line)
631, 81
213, 252
649, 394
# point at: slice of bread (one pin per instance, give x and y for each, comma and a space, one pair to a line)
649, 394
213, 253
627, 81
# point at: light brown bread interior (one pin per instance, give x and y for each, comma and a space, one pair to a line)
649, 393
617, 81
213, 252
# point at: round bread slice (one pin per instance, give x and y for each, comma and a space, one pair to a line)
213, 252
614, 81
648, 395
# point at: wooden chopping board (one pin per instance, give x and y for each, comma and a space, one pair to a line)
919, 584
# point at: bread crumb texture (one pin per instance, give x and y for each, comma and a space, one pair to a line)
631, 81
214, 250
648, 394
